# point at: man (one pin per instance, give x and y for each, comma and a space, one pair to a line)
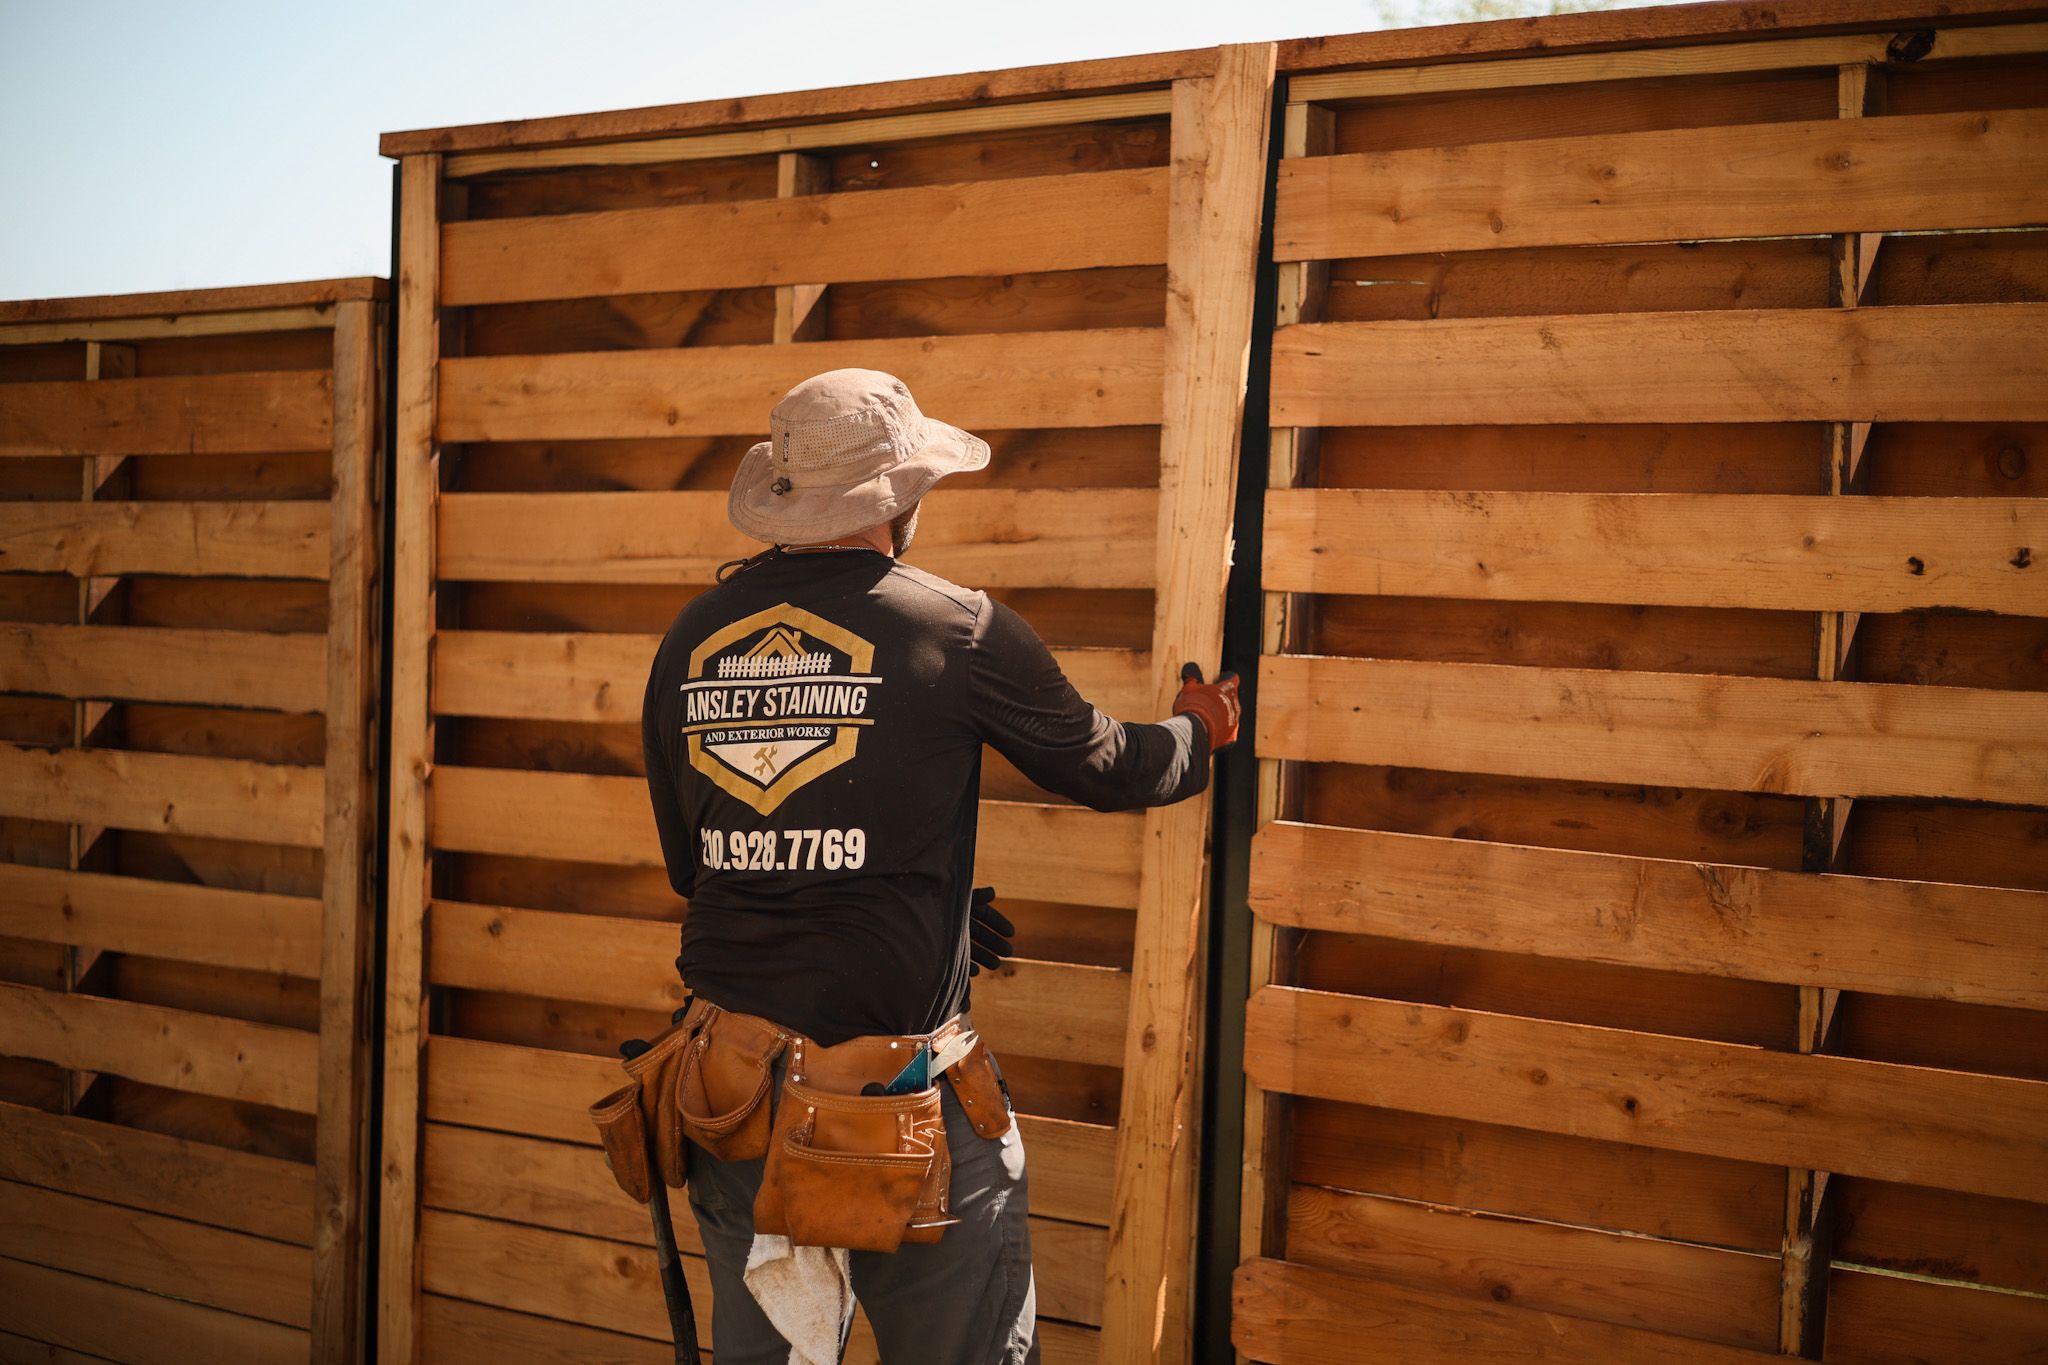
813, 729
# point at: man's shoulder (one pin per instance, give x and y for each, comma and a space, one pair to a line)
918, 583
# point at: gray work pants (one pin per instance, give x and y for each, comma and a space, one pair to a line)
966, 1299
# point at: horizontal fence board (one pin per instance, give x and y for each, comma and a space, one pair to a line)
989, 227
1984, 169
1645, 1282
207, 1054
1947, 1129
587, 818
1035, 538
115, 1322
1096, 378
1058, 1010
585, 1280
537, 1094
1946, 942
223, 798
270, 670
1893, 1320
263, 1195
516, 1089
1296, 1315
223, 539
1663, 729
1943, 363
622, 146
207, 1265
1874, 554
458, 1332
187, 414
1648, 62
601, 678
603, 959
1938, 1232
569, 1189
261, 931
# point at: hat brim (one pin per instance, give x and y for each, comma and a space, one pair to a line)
802, 515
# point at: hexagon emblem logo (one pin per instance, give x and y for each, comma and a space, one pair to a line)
775, 701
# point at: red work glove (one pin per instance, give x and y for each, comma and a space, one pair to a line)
1215, 703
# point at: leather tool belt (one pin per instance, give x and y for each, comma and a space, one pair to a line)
844, 1169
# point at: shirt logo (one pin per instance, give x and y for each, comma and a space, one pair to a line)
775, 701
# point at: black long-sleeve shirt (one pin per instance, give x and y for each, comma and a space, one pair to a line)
813, 730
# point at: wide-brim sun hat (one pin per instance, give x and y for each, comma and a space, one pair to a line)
847, 449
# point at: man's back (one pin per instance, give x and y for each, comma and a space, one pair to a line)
813, 731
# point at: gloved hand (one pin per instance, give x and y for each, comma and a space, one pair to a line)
988, 932
1215, 703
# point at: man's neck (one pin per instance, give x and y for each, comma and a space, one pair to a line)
866, 540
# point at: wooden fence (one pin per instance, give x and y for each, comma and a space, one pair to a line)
595, 315
188, 556
1651, 884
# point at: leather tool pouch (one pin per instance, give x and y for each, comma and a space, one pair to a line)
724, 1083
981, 1092
865, 1172
640, 1117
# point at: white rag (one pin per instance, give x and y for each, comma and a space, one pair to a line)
806, 1292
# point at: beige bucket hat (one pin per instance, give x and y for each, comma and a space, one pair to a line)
847, 449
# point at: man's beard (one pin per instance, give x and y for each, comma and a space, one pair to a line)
903, 530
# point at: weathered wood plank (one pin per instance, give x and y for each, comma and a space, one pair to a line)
139, 663
198, 1181
1876, 1319
979, 117
196, 414
568, 1189
1302, 1316
137, 1327
990, 227
599, 678
253, 930
1058, 1010
350, 757
1761, 552
1932, 939
408, 869
206, 1265
586, 818
1981, 169
1643, 1282
1220, 146
1104, 377
207, 1054
459, 1332
542, 1094
108, 539
1948, 1129
1947, 363
1665, 729
1035, 538
224, 798
184, 302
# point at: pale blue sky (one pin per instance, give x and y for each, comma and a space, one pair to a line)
160, 145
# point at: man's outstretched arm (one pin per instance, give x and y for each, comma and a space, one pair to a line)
1025, 707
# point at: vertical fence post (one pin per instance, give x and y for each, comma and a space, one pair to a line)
417, 294
1802, 1300
1219, 154
341, 1174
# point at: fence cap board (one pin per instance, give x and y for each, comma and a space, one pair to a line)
929, 94
1664, 25
93, 307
